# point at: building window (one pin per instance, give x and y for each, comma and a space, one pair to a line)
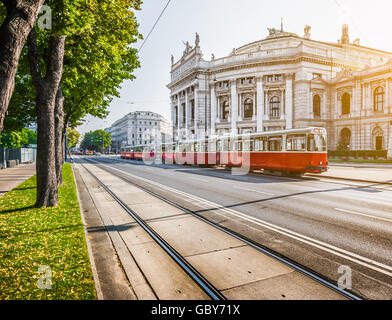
317, 75
193, 110
316, 105
176, 118
275, 107
345, 139
379, 99
346, 103
378, 138
248, 108
183, 114
225, 110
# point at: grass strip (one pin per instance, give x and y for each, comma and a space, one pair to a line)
31, 238
361, 161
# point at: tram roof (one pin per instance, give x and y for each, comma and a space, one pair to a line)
257, 134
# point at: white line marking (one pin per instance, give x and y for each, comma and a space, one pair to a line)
362, 214
313, 242
257, 191
197, 179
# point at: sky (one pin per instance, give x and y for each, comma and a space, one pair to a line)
225, 24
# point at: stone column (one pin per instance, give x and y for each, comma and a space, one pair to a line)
282, 106
389, 155
196, 113
186, 114
234, 106
387, 104
178, 116
260, 104
369, 99
289, 102
323, 112
213, 109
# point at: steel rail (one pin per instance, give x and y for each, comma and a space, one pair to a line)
302, 269
195, 275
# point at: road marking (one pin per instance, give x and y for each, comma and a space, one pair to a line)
372, 264
197, 179
257, 191
362, 214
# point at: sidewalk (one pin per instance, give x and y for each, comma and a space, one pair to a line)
358, 173
12, 177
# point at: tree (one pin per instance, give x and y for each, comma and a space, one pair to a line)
73, 137
18, 139
97, 58
19, 20
96, 140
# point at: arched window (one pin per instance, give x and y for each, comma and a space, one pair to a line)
225, 110
379, 99
275, 107
378, 138
248, 108
316, 105
345, 139
346, 104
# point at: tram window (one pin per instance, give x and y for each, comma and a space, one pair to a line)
248, 145
296, 143
275, 143
317, 142
212, 147
219, 146
260, 144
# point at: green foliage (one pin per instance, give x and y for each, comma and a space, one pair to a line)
18, 139
54, 237
73, 137
94, 140
98, 58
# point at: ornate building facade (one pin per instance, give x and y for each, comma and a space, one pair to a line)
139, 128
286, 81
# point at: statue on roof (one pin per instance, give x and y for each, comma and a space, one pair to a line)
197, 40
272, 31
307, 30
188, 47
212, 57
172, 59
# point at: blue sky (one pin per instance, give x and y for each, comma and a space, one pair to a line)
225, 24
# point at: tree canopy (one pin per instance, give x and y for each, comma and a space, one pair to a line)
98, 58
18, 139
95, 140
73, 137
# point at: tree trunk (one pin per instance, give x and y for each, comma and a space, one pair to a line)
16, 27
59, 123
46, 91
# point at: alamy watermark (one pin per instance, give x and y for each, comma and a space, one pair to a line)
345, 281
45, 280
44, 20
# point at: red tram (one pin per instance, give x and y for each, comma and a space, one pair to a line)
293, 151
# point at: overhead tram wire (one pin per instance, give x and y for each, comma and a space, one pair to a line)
153, 27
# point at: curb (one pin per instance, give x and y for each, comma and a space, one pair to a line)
89, 250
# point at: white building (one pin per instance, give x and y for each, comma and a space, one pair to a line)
139, 128
286, 81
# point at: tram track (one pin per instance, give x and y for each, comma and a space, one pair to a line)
192, 272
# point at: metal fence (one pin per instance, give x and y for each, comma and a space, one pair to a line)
23, 155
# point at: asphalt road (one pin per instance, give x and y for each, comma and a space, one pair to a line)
323, 225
